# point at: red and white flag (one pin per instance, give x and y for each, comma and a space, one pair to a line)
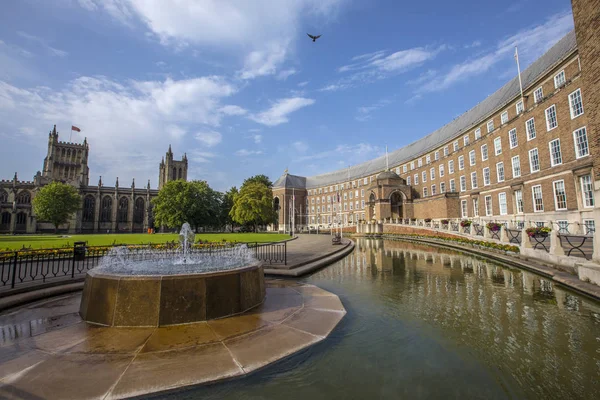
74, 128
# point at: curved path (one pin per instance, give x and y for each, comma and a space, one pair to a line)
47, 351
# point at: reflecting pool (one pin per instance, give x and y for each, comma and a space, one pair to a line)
426, 322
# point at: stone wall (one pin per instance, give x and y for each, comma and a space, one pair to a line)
440, 206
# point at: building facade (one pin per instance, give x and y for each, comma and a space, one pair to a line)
104, 208
512, 157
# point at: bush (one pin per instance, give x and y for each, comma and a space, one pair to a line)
427, 219
465, 223
494, 226
538, 231
445, 221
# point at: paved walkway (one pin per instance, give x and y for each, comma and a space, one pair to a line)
48, 352
308, 253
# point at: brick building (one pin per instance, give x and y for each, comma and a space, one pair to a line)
103, 208
509, 158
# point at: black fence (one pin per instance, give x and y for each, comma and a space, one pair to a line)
26, 268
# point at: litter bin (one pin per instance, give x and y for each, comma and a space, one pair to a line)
79, 251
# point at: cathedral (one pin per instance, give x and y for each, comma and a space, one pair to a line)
104, 209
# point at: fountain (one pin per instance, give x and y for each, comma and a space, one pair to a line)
150, 287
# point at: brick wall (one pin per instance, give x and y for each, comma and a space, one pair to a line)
440, 206
407, 230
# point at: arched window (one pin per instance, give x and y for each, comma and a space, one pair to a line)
174, 173
88, 208
123, 209
24, 197
276, 204
3, 196
5, 218
138, 211
62, 153
106, 213
68, 154
180, 174
21, 218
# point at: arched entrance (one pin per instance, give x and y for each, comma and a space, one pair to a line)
372, 206
396, 202
276, 208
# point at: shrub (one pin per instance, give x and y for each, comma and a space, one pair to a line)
445, 221
538, 231
427, 219
465, 223
494, 226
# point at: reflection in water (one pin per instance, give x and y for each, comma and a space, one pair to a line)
425, 322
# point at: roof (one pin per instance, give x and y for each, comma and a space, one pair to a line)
290, 181
506, 94
388, 175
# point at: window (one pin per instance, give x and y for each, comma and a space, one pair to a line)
404, 168
498, 146
534, 160
512, 138
486, 176
424, 176
428, 159
519, 107
477, 133
463, 183
362, 192
420, 162
466, 140
472, 157
490, 125
461, 163
476, 207
408, 180
587, 191
442, 187
538, 94
590, 226
473, 180
555, 154
530, 128
504, 117
416, 179
519, 201
502, 203
425, 192
432, 173
412, 166
581, 143
452, 186
446, 151
500, 171
516, 167
433, 190
538, 201
488, 205
484, 152
559, 79
441, 170
451, 166
551, 121
575, 104
455, 145
436, 155
397, 172
463, 207
560, 196
362, 204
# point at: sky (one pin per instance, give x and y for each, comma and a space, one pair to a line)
239, 86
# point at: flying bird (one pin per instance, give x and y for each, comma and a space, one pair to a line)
314, 38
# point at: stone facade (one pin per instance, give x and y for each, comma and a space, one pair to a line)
103, 209
529, 159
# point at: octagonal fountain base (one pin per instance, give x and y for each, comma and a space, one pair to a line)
160, 300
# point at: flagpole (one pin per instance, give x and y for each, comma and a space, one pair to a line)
71, 134
519, 71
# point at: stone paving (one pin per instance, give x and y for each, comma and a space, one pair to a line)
46, 351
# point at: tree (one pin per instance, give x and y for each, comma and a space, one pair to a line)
253, 205
258, 179
226, 205
56, 202
192, 202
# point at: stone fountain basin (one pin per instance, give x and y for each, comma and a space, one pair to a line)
160, 300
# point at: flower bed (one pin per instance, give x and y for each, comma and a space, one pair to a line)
464, 241
494, 226
538, 231
466, 223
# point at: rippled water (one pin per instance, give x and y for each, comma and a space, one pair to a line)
425, 323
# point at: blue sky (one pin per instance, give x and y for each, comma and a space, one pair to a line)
240, 87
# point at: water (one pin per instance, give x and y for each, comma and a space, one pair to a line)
183, 260
428, 323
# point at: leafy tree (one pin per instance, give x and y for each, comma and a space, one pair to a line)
258, 179
226, 206
56, 202
253, 205
193, 202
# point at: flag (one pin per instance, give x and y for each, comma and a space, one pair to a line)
74, 128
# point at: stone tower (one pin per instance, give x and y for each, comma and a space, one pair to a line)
171, 170
66, 162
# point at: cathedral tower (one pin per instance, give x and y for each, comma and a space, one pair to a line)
66, 162
171, 170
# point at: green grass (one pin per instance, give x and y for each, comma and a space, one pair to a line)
57, 241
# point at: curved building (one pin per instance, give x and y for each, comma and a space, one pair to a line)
511, 157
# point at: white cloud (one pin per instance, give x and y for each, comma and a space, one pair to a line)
209, 138
302, 84
472, 45
300, 147
257, 138
199, 156
233, 110
246, 152
51, 50
286, 73
278, 113
364, 112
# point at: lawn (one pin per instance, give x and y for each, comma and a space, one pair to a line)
56, 241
